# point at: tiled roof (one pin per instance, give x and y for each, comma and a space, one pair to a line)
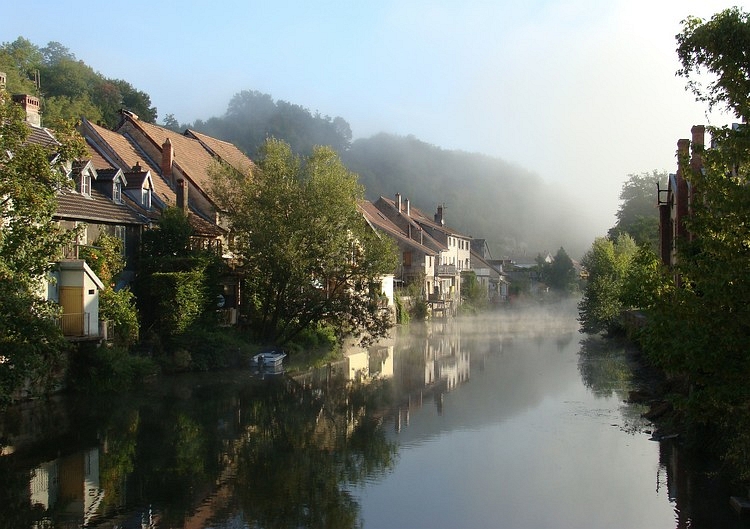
419, 216
380, 222
41, 136
228, 152
72, 205
189, 154
126, 155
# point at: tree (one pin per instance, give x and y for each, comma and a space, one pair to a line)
638, 215
717, 47
307, 254
106, 260
30, 341
560, 274
177, 285
607, 263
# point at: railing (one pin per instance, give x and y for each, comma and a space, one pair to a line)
75, 324
446, 270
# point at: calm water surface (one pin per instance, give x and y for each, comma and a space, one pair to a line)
510, 420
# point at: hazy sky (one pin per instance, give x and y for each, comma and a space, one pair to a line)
582, 92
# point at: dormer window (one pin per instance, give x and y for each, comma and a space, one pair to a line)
85, 184
117, 192
146, 198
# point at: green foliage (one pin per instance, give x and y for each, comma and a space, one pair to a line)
560, 275
473, 293
307, 255
638, 215
716, 50
103, 369
607, 263
119, 307
30, 341
179, 299
68, 87
252, 117
171, 238
105, 258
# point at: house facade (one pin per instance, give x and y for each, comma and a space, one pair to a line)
675, 202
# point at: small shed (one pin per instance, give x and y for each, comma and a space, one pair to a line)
76, 290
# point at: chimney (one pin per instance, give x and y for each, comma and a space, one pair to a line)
398, 202
699, 139
167, 158
408, 210
439, 216
181, 192
30, 105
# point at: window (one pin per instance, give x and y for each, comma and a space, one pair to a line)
146, 198
117, 192
86, 184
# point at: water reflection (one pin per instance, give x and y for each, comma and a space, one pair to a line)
443, 424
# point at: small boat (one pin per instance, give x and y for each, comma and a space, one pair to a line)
268, 359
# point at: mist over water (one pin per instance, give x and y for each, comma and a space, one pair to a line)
530, 436
509, 419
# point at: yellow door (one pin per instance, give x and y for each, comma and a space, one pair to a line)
71, 299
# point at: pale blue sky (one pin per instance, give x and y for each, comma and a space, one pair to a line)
582, 92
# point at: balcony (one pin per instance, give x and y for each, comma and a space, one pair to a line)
446, 270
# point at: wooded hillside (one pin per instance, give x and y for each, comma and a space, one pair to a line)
515, 210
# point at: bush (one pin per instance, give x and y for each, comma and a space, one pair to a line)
97, 369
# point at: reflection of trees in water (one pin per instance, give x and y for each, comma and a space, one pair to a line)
604, 368
607, 372
302, 449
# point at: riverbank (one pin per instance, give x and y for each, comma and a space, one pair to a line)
686, 450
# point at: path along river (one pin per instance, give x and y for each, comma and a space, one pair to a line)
511, 419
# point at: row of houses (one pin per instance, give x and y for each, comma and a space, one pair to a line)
133, 173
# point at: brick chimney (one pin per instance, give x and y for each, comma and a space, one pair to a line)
181, 192
167, 158
30, 105
696, 151
398, 202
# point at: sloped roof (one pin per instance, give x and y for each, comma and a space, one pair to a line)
72, 205
420, 217
189, 154
379, 221
41, 136
125, 155
224, 150
391, 205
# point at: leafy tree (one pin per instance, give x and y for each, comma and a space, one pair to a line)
68, 87
717, 47
607, 263
176, 285
106, 260
307, 255
30, 341
252, 117
638, 215
560, 274
473, 293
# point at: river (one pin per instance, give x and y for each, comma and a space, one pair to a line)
506, 420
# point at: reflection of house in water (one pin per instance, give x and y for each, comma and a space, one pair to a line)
433, 363
70, 482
